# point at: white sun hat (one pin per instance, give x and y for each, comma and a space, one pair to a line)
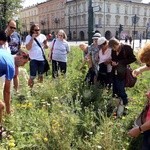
96, 36
101, 40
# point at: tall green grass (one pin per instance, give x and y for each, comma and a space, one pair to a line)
65, 114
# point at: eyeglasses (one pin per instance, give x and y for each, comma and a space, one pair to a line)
60, 35
12, 27
36, 29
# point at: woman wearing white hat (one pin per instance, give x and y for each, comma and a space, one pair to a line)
93, 51
104, 74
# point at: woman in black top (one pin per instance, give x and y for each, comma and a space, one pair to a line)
122, 55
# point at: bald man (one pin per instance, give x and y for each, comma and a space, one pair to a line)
14, 43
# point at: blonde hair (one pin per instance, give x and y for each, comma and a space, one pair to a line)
83, 46
144, 54
63, 33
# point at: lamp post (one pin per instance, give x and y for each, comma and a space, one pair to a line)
76, 22
135, 19
104, 17
90, 22
69, 32
43, 23
147, 27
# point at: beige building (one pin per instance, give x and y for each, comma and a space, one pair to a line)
72, 16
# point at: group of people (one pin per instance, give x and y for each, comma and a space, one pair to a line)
12, 57
115, 56
107, 63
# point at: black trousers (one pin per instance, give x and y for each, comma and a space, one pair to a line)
146, 140
58, 66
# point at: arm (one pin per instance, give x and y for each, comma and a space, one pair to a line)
45, 43
139, 70
6, 93
136, 131
29, 44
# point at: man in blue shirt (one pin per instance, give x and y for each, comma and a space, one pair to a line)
14, 43
7, 68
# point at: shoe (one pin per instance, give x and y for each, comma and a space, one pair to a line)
120, 109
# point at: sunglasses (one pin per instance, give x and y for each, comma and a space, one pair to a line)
12, 27
37, 30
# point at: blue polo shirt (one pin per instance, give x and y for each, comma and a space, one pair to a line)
7, 66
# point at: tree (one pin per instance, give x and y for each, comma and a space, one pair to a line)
8, 10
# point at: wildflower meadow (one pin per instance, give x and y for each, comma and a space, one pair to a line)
66, 114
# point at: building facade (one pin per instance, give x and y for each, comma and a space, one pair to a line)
108, 15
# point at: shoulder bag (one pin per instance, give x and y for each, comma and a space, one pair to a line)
46, 66
130, 80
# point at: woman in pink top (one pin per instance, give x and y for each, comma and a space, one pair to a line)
144, 55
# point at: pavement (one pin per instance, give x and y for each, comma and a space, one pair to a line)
137, 45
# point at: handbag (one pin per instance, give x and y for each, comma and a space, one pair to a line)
130, 80
46, 64
142, 116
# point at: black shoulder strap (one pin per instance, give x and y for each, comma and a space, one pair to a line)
40, 47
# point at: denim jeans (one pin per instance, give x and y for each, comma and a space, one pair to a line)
119, 89
36, 66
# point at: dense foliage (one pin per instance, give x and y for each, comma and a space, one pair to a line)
8, 9
65, 114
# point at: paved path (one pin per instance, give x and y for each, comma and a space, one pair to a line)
137, 44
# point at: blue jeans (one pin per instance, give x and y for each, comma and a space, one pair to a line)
36, 66
119, 89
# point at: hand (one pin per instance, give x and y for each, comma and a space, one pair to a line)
134, 132
113, 63
34, 35
136, 72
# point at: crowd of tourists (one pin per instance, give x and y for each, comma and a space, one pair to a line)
107, 62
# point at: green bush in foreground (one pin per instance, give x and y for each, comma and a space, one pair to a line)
65, 114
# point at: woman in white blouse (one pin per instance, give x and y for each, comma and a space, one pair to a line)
104, 74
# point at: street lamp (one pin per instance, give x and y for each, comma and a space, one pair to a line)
43, 23
147, 27
90, 22
135, 20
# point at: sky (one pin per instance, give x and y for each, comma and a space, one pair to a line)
31, 2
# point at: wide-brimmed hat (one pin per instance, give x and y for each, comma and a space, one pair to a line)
101, 40
96, 36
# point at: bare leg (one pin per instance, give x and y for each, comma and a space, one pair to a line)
2, 105
40, 79
16, 82
30, 83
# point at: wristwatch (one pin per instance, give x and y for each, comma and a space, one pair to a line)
140, 129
